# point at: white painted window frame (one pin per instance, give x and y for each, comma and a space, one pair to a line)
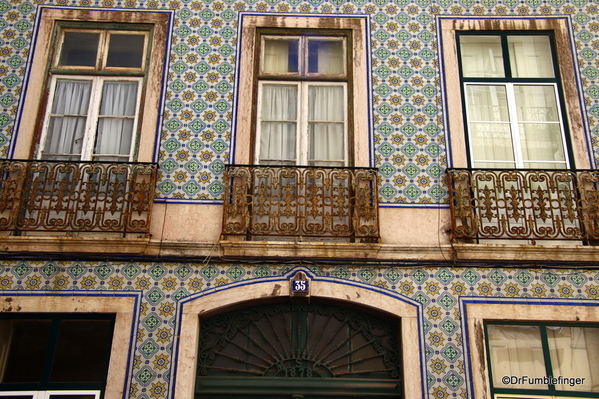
301, 137
48, 394
514, 122
87, 151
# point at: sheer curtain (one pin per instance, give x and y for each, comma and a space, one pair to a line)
116, 121
326, 115
276, 56
278, 125
68, 118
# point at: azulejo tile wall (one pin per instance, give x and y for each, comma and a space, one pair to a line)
408, 120
163, 285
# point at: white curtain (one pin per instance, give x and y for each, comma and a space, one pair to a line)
530, 57
481, 56
66, 128
326, 116
116, 121
278, 124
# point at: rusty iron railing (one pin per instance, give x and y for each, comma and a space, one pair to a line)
65, 196
301, 201
524, 204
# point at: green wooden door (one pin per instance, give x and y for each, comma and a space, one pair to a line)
298, 351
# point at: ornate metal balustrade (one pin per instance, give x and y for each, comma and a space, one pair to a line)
300, 201
524, 204
65, 196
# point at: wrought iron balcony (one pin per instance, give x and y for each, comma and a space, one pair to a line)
263, 202
76, 197
524, 204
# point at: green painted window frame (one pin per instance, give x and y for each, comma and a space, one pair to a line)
509, 79
551, 391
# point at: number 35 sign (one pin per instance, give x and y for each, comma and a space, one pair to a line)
299, 285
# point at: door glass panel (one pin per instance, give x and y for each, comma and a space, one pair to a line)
530, 57
79, 49
326, 127
278, 125
125, 50
68, 119
489, 127
481, 56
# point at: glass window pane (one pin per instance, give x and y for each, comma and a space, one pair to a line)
25, 343
530, 57
326, 56
536, 103
516, 351
278, 123
487, 103
481, 56
76, 396
491, 145
68, 119
125, 50
326, 125
574, 353
82, 351
280, 55
79, 49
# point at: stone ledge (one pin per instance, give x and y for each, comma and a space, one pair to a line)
83, 245
286, 249
527, 252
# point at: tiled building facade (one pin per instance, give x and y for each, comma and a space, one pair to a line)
195, 116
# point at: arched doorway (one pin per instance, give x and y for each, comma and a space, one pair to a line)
194, 309
292, 350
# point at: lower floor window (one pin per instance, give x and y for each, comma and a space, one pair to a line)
50, 395
543, 359
54, 356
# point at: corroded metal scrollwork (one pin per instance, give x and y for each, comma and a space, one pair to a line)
65, 196
300, 201
524, 204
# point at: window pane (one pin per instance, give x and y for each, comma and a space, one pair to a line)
82, 351
530, 57
487, 103
278, 123
68, 119
25, 343
116, 122
481, 56
540, 130
574, 353
72, 396
280, 55
325, 56
125, 50
516, 351
489, 128
326, 116
79, 49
